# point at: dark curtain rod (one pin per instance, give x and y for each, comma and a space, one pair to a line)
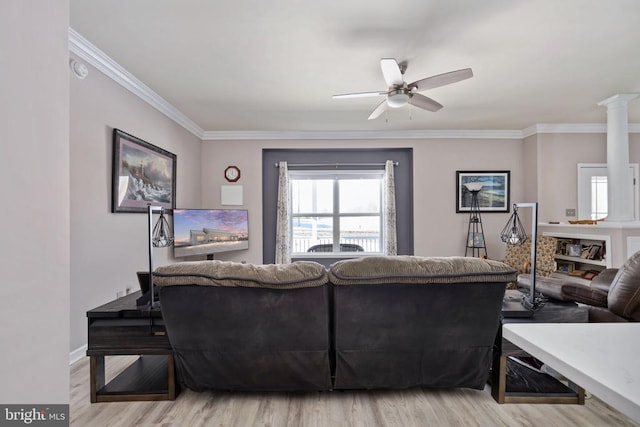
337, 165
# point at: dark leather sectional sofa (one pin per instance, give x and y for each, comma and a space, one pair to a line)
612, 296
371, 322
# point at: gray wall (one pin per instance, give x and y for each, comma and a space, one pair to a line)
108, 248
34, 170
438, 230
557, 177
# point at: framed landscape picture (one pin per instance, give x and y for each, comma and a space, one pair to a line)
143, 174
493, 195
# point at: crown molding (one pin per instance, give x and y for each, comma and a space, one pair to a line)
573, 128
85, 50
363, 134
565, 128
81, 47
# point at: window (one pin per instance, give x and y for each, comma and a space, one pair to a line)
599, 202
593, 188
337, 211
331, 156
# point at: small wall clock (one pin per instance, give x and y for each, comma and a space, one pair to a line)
232, 173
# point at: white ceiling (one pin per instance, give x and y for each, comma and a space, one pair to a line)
273, 65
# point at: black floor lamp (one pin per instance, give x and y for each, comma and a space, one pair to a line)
475, 232
514, 233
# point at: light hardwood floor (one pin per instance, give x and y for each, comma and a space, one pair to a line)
404, 408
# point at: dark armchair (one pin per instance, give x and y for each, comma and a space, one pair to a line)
612, 296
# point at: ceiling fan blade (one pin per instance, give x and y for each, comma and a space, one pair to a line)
391, 72
381, 108
358, 95
442, 79
423, 102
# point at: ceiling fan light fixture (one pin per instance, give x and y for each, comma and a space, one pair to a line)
397, 100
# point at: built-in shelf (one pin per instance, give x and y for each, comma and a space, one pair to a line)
622, 239
598, 262
587, 266
604, 258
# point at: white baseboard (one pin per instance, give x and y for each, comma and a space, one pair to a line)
77, 354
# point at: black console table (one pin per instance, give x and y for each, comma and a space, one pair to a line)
121, 328
512, 382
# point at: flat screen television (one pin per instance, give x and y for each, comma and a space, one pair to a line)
209, 231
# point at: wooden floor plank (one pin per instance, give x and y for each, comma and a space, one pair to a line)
404, 408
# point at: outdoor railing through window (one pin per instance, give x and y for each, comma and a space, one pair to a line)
369, 244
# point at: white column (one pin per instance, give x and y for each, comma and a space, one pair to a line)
620, 206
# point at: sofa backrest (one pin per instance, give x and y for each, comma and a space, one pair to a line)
388, 322
248, 327
419, 270
405, 322
299, 274
624, 291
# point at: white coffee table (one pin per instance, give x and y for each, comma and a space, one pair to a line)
603, 358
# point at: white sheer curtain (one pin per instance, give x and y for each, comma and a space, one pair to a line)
283, 220
390, 237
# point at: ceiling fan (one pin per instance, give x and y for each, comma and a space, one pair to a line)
400, 93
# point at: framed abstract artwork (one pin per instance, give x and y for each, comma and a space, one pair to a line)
493, 195
143, 174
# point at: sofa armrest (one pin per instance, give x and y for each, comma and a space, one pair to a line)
550, 287
565, 290
604, 279
584, 294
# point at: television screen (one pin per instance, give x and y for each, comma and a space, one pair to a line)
209, 231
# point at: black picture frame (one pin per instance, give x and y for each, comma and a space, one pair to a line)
142, 174
594, 250
493, 197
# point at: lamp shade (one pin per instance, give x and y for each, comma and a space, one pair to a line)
162, 233
473, 186
513, 232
